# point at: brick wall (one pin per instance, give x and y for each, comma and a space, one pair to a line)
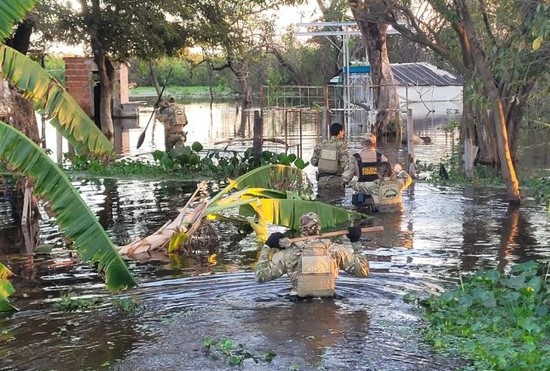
79, 72
78, 80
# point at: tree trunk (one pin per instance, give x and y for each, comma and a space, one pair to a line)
21, 115
498, 116
240, 68
386, 101
106, 77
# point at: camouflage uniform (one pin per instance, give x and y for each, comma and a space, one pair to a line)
331, 157
174, 119
293, 261
386, 192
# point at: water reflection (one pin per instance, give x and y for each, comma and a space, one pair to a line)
442, 232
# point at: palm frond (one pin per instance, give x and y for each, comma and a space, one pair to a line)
73, 215
12, 11
50, 98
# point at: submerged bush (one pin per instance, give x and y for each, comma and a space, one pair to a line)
500, 322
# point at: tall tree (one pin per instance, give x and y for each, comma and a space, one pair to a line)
242, 31
386, 101
114, 31
501, 48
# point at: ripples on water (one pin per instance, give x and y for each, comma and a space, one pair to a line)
443, 232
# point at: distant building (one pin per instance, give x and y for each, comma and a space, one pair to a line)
421, 87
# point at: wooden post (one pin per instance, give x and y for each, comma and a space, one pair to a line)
299, 154
324, 126
342, 232
410, 144
257, 143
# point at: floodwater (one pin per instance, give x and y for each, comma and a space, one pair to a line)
185, 301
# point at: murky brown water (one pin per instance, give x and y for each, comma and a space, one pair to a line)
183, 301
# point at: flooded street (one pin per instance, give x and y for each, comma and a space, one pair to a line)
183, 302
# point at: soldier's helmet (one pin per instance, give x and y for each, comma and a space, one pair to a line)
310, 224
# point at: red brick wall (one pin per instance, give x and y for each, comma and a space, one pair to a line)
78, 80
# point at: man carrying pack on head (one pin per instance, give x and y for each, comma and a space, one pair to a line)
312, 264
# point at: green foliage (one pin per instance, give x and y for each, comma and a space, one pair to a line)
235, 354
12, 11
276, 194
55, 66
189, 161
127, 304
6, 289
541, 187
499, 321
74, 217
68, 303
53, 100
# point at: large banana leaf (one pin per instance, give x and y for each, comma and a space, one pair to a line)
6, 289
287, 212
12, 11
283, 208
73, 215
279, 177
50, 98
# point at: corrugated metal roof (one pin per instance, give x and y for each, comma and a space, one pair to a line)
414, 74
423, 74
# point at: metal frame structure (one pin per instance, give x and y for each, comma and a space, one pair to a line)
344, 30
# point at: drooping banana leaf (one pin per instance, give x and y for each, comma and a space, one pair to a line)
73, 215
50, 98
278, 177
287, 213
284, 208
6, 289
12, 11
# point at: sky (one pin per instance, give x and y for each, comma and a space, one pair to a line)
288, 16
297, 14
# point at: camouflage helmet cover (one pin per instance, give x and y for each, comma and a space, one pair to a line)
310, 224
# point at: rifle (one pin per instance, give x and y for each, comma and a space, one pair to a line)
142, 135
337, 233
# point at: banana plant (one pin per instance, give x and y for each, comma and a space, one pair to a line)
270, 194
47, 95
50, 98
12, 11
74, 217
283, 203
280, 177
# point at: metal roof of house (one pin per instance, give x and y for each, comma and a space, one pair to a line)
414, 74
422, 74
